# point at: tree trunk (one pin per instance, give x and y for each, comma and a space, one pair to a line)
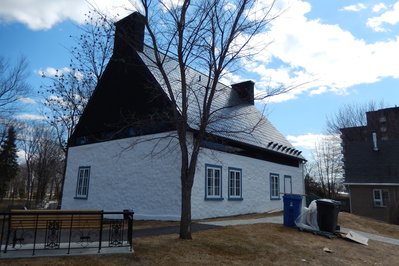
189, 164
61, 191
28, 183
185, 220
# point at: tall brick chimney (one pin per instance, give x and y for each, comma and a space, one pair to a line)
129, 34
245, 91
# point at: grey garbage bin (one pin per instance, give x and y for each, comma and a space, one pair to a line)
327, 214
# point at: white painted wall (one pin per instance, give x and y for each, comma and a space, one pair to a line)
255, 185
138, 178
148, 180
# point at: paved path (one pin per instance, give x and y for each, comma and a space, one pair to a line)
266, 220
201, 226
168, 230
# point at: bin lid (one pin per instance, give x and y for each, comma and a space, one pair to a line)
327, 202
292, 196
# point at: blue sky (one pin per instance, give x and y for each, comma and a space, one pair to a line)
343, 52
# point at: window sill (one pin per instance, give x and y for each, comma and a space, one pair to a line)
80, 198
214, 199
236, 199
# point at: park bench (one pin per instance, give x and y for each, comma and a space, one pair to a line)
65, 230
53, 222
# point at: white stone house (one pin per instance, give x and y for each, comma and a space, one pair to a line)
124, 153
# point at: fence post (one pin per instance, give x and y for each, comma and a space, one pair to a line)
34, 239
8, 231
70, 234
101, 231
128, 214
2, 230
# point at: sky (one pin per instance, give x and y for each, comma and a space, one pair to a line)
333, 52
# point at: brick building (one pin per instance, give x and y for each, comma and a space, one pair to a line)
371, 162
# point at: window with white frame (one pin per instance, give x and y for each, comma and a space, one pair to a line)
274, 186
380, 197
235, 185
82, 186
213, 182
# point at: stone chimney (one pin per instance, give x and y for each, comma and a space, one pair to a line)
245, 91
129, 34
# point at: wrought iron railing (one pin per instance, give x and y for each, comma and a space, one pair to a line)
48, 230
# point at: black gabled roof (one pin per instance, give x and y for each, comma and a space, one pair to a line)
124, 103
129, 87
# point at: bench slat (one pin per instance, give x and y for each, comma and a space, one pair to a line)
21, 219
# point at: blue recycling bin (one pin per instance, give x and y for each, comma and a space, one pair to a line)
292, 209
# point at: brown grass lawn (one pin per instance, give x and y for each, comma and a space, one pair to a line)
368, 225
261, 244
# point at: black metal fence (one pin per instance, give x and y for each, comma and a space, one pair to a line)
63, 230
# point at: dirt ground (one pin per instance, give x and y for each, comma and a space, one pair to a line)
260, 244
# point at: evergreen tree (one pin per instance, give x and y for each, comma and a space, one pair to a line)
8, 161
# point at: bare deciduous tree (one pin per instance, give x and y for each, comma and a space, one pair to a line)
44, 162
48, 164
69, 89
327, 155
67, 97
211, 36
351, 115
30, 137
328, 165
12, 86
12, 83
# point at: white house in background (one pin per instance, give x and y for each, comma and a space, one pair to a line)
124, 153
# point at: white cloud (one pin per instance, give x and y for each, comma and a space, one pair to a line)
388, 17
319, 90
307, 141
323, 58
21, 156
229, 78
320, 57
293, 80
30, 117
171, 4
27, 100
78, 75
229, 6
44, 14
52, 72
378, 7
355, 8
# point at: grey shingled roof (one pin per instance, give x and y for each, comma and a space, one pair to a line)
233, 119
